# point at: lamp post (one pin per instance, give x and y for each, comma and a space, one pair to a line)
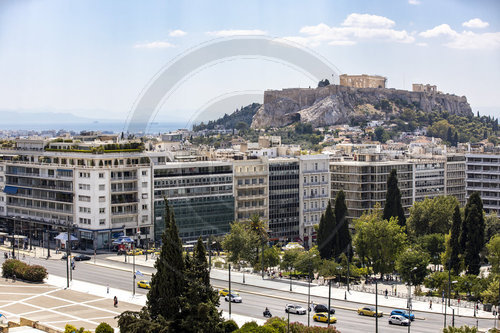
68, 255
453, 310
14, 238
329, 298
376, 305
409, 298
133, 270
290, 270
229, 271
309, 293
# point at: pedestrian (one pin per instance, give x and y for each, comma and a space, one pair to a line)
14, 277
430, 304
107, 288
115, 302
386, 293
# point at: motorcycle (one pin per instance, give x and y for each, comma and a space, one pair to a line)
267, 314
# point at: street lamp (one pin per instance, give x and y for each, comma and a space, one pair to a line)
309, 292
376, 305
409, 298
453, 310
329, 298
290, 270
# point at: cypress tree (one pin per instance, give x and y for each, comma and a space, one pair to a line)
455, 140
200, 300
344, 240
472, 236
327, 235
454, 264
393, 206
167, 284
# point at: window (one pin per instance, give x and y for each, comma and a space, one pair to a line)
144, 207
102, 210
323, 178
102, 187
315, 166
144, 218
85, 210
84, 220
102, 199
84, 174
144, 184
85, 187
144, 173
305, 179
144, 195
102, 221
101, 174
84, 198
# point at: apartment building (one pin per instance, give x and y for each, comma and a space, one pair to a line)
428, 178
251, 188
314, 193
101, 196
365, 183
200, 193
455, 177
284, 199
483, 176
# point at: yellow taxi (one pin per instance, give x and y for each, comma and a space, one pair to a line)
134, 252
369, 311
157, 253
225, 292
144, 284
151, 250
323, 318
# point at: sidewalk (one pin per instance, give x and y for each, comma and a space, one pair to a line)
300, 287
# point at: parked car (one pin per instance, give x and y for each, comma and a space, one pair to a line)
294, 308
144, 284
398, 320
323, 317
82, 257
369, 311
403, 313
235, 298
323, 308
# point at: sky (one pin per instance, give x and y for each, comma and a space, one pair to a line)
95, 58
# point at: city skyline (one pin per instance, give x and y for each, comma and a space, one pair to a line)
93, 59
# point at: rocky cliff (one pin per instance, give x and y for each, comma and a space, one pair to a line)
335, 104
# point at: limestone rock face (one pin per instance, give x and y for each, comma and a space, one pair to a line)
335, 104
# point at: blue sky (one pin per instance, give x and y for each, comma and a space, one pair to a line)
93, 58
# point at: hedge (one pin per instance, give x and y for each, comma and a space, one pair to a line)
23, 271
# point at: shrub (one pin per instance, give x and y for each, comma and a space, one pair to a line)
23, 271
35, 273
228, 326
104, 328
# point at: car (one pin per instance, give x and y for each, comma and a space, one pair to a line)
295, 308
134, 252
323, 317
235, 298
323, 308
144, 284
403, 313
151, 250
82, 257
369, 311
225, 292
398, 320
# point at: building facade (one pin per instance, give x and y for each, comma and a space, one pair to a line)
363, 81
200, 193
314, 193
455, 177
284, 199
483, 176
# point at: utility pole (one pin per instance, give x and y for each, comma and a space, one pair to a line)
376, 306
348, 270
14, 239
229, 270
329, 298
262, 260
133, 270
67, 256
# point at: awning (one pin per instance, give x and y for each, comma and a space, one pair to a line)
123, 240
10, 189
63, 236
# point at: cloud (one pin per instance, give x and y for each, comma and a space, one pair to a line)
465, 40
355, 28
177, 33
443, 29
154, 45
422, 44
228, 33
414, 2
475, 23
368, 21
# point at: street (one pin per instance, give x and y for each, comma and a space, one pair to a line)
255, 299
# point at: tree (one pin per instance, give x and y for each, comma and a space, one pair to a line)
412, 266
237, 244
393, 206
433, 245
167, 284
462, 329
271, 257
493, 256
381, 134
431, 216
199, 300
378, 242
289, 259
104, 328
454, 259
472, 233
344, 240
437, 281
492, 226
490, 295
327, 235
323, 83
308, 261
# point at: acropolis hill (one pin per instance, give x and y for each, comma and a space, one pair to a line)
340, 104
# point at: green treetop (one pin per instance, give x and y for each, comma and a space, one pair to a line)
393, 206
